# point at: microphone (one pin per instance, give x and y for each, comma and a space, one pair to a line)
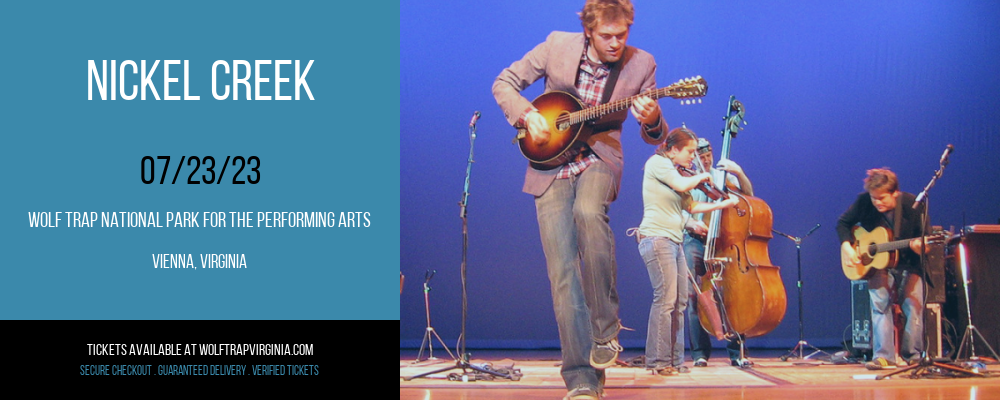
813, 230
944, 156
475, 117
944, 163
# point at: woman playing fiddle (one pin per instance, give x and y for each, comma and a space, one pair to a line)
665, 195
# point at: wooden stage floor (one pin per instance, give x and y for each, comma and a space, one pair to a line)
770, 378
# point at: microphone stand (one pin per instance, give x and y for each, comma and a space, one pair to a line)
463, 358
927, 365
802, 344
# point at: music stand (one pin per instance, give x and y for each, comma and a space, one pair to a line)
802, 344
428, 340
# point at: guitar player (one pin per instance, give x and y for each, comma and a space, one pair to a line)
572, 200
884, 205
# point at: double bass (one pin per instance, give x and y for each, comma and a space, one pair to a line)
747, 289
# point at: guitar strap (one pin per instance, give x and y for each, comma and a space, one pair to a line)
609, 87
899, 283
897, 220
616, 68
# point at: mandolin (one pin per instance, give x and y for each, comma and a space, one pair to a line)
568, 118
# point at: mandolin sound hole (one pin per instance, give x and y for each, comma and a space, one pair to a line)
562, 123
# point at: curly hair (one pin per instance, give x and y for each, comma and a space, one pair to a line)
607, 11
881, 178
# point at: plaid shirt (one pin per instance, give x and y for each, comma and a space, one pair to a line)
590, 83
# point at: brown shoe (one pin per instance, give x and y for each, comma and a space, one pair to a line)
604, 355
879, 363
583, 393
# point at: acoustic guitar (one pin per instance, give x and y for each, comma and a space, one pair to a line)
876, 251
568, 118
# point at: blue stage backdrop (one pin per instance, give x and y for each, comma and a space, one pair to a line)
831, 89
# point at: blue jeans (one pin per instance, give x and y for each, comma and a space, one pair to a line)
580, 256
912, 336
667, 273
701, 343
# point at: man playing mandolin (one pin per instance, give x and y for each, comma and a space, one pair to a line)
884, 205
572, 199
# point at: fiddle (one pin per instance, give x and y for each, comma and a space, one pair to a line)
705, 186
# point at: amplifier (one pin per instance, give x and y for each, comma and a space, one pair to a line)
932, 322
861, 315
935, 272
861, 326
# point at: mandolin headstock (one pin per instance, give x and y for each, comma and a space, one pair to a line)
688, 90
